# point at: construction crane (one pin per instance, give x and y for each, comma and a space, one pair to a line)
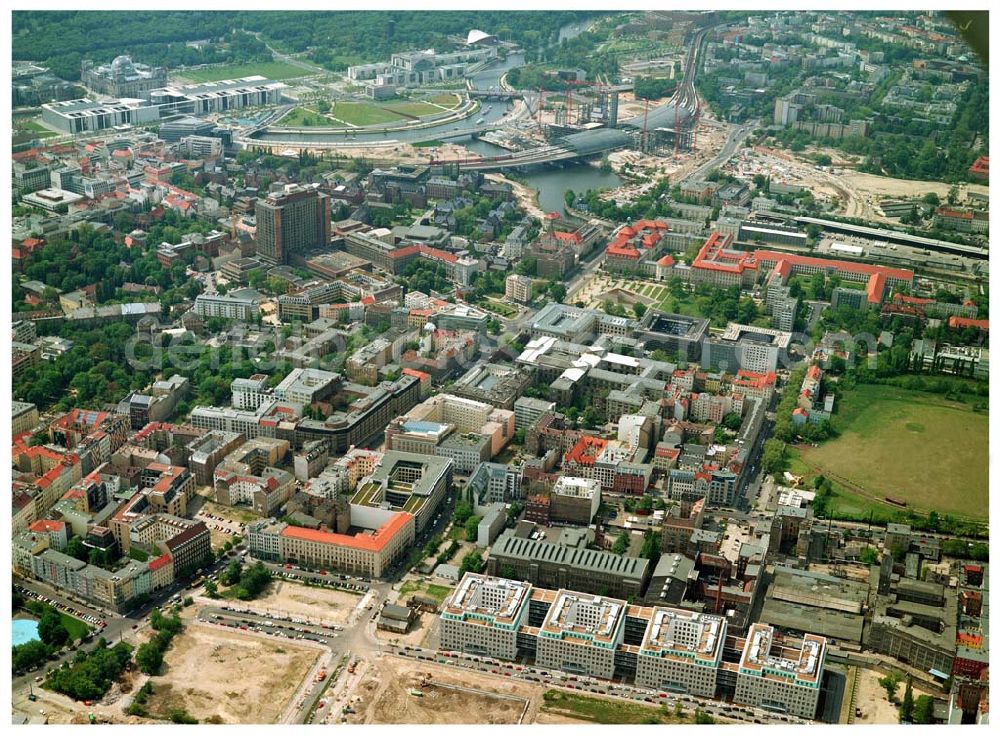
644, 139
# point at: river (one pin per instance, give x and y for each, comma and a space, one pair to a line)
551, 181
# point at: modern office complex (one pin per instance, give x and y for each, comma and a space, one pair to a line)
778, 675
658, 648
681, 651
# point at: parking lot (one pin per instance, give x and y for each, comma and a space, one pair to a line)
269, 624
97, 623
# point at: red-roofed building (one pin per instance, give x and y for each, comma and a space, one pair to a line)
980, 169
54, 529
958, 323
636, 248
161, 571
717, 264
962, 219
369, 553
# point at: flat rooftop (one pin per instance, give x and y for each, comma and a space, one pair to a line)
773, 658
589, 618
684, 634
491, 598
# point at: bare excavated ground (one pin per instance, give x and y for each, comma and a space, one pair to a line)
217, 676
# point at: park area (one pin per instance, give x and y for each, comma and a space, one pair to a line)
351, 113
917, 447
272, 70
217, 676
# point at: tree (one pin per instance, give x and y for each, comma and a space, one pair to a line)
557, 290
621, 544
463, 511
732, 421
906, 708
472, 528
923, 710
232, 573
773, 458
869, 555
29, 656
211, 589
51, 629
149, 658
890, 683
471, 562
639, 309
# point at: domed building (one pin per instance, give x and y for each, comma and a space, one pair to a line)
122, 78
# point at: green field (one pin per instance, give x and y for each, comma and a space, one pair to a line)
302, 118
26, 130
608, 712
414, 109
914, 446
449, 100
272, 70
363, 114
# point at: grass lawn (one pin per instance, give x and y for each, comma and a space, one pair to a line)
272, 70
37, 129
76, 628
449, 100
607, 712
501, 308
414, 109
364, 114
438, 592
301, 118
916, 446
435, 591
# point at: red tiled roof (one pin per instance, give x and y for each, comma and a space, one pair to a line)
956, 321
586, 450
418, 374
365, 541
159, 562
47, 526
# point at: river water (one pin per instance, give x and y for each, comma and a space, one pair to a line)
551, 181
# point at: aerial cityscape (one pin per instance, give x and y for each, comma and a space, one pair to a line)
506, 367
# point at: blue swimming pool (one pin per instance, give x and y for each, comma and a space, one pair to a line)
23, 631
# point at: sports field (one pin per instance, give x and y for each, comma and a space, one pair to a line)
272, 70
914, 446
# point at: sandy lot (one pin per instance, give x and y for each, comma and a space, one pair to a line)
874, 706
317, 604
889, 187
201, 676
446, 700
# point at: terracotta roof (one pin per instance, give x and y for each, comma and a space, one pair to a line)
374, 542
159, 562
47, 526
956, 321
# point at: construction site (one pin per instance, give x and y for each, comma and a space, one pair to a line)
397, 690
